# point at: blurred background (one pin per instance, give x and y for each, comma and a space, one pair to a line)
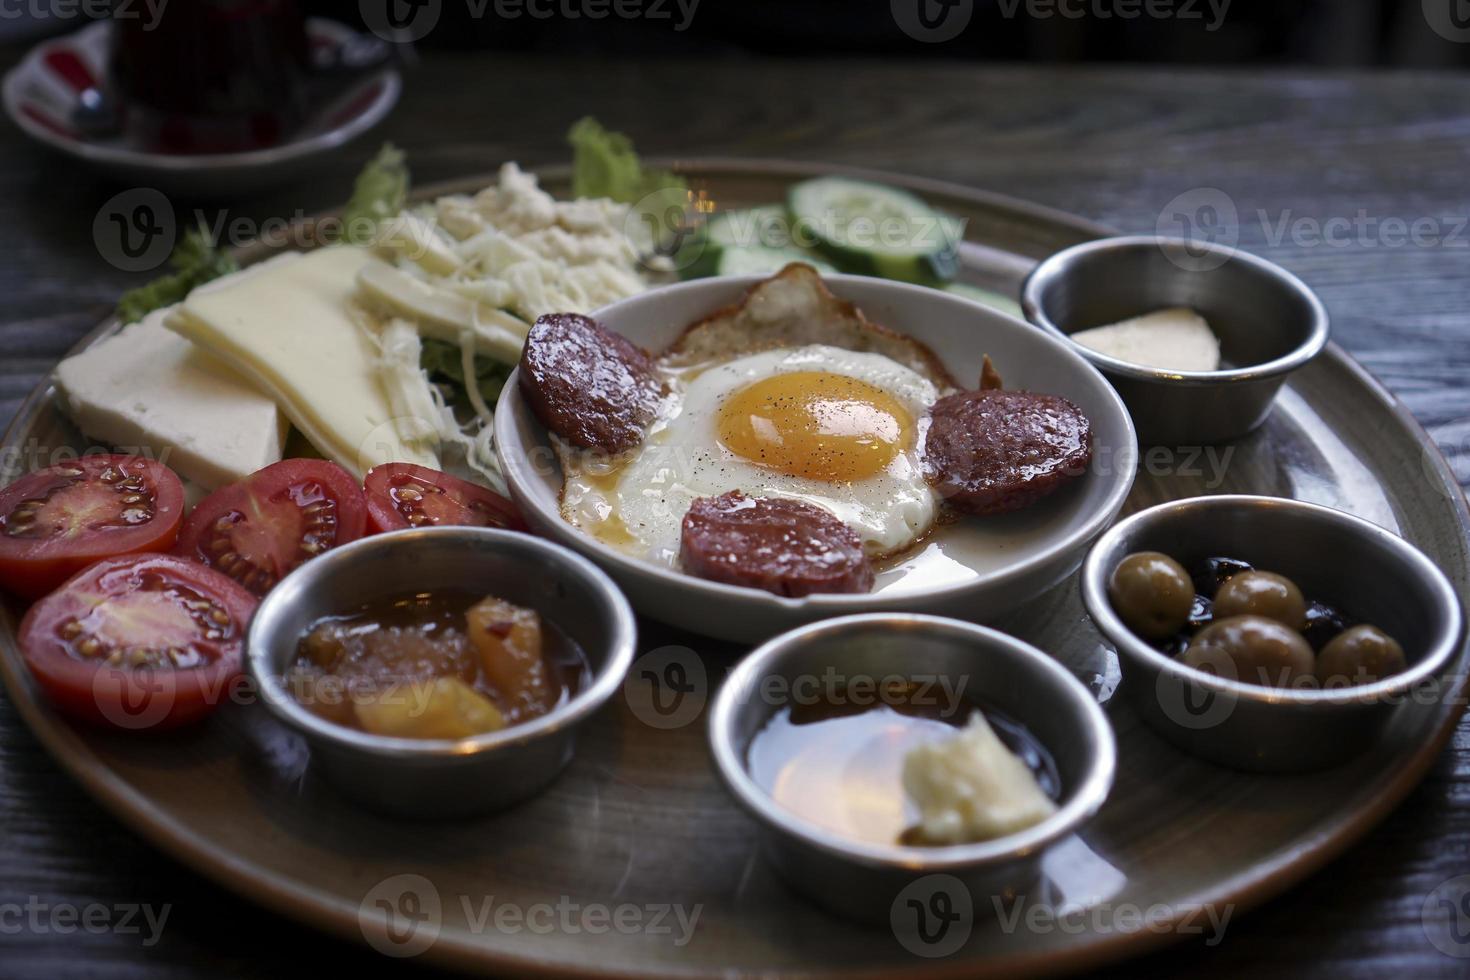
1328, 33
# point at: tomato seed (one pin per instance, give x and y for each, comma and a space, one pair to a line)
184, 656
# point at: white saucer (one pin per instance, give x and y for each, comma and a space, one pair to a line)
42, 91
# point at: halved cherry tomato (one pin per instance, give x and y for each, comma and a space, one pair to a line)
58, 520
258, 530
403, 495
142, 641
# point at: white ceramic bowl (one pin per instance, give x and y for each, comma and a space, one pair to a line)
973, 569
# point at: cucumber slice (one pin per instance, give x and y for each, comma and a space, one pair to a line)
747, 242
741, 261
876, 230
763, 227
985, 297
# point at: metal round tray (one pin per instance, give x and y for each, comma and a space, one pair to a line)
596, 872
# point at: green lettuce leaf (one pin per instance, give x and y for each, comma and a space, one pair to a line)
195, 261
380, 192
604, 164
442, 361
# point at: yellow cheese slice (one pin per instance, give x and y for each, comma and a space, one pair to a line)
289, 330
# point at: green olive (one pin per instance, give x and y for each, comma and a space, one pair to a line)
1252, 650
1262, 594
1152, 593
1360, 655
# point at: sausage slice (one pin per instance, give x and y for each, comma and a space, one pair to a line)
787, 547
593, 387
991, 452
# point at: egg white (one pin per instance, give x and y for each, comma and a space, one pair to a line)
637, 502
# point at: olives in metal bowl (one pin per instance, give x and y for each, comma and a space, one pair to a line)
1228, 618
1265, 594
1252, 649
1360, 655
1152, 593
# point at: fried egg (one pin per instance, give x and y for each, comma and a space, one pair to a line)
830, 426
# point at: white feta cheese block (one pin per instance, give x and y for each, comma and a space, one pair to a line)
148, 391
290, 329
1176, 339
972, 787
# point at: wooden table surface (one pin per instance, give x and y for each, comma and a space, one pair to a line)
1326, 171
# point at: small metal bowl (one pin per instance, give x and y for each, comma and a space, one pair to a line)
1359, 568
443, 777
1268, 321
863, 880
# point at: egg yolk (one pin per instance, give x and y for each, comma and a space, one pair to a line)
816, 425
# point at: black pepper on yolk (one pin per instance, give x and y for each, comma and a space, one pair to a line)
816, 425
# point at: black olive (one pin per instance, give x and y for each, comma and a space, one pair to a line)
1202, 613
1324, 624
1211, 573
1177, 644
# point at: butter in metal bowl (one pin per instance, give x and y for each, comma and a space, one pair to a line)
972, 787
1175, 339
